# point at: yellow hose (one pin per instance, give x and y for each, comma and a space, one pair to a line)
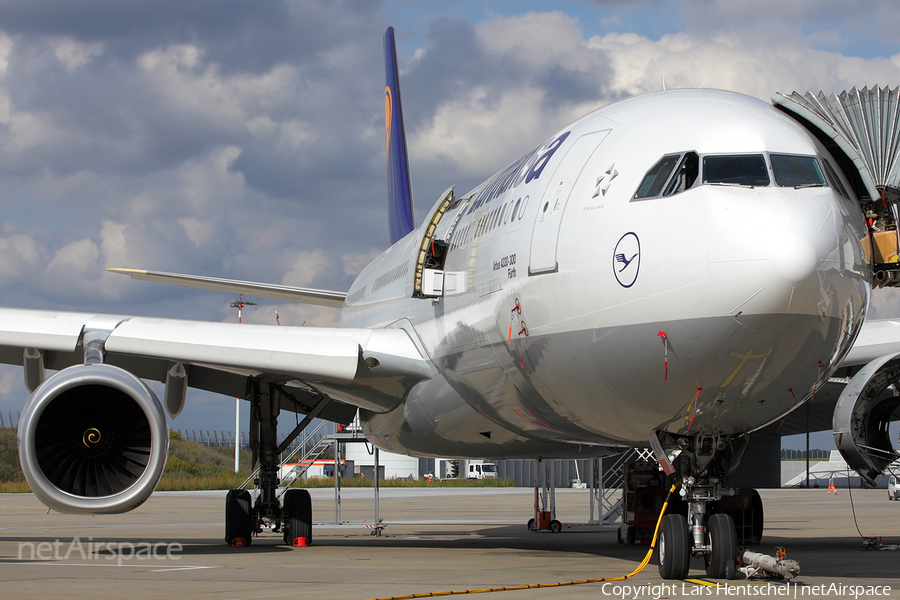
533, 586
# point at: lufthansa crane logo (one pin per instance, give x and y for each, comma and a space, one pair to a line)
388, 113
627, 259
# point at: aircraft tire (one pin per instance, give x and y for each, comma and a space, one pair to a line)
722, 539
238, 518
630, 534
297, 516
758, 517
674, 548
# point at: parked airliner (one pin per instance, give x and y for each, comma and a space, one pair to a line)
674, 270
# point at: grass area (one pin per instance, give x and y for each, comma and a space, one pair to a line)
193, 466
11, 478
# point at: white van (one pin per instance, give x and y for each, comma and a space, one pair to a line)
893, 488
478, 469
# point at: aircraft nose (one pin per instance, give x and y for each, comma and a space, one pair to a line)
798, 252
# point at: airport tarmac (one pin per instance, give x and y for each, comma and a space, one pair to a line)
436, 539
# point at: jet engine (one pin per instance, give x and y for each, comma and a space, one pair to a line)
93, 439
862, 417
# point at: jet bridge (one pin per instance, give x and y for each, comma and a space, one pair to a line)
861, 129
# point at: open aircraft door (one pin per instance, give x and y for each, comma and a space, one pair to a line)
553, 204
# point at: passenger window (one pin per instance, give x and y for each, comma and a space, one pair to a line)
656, 177
746, 169
685, 175
834, 180
796, 171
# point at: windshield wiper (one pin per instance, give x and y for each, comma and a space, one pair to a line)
808, 185
731, 184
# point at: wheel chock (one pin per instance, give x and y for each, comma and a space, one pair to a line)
300, 542
239, 542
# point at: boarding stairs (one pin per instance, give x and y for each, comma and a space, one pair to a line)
606, 485
310, 448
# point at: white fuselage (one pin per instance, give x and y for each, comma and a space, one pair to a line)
575, 315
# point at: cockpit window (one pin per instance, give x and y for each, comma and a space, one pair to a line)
685, 175
834, 180
745, 169
796, 171
656, 177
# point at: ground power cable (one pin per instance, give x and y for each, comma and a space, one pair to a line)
534, 586
869, 543
853, 508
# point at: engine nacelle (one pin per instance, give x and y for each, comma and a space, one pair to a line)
93, 439
862, 417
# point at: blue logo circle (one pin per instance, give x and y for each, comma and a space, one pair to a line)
627, 259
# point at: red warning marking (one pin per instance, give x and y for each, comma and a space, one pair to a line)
694, 413
665, 338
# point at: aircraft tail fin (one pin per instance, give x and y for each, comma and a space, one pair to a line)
400, 199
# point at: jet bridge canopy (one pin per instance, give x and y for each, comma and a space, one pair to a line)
861, 129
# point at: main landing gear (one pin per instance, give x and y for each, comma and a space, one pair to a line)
705, 531
292, 516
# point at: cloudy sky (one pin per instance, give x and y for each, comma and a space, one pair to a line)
245, 139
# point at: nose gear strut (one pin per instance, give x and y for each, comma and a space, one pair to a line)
703, 463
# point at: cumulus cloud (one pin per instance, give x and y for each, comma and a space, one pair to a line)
685, 60
245, 140
73, 54
355, 262
305, 267
21, 258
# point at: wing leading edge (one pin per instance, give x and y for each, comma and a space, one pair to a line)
263, 290
876, 338
365, 368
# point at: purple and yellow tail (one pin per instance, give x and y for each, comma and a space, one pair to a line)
400, 200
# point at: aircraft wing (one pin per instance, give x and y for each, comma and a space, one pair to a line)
876, 339
262, 290
368, 368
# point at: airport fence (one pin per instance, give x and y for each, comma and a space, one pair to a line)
801, 454
9, 421
224, 439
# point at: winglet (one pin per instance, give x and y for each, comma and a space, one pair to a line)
400, 200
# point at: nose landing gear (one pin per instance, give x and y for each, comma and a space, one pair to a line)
704, 532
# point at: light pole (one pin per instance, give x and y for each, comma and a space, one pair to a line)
239, 304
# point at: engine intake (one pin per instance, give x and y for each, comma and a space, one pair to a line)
862, 417
93, 439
